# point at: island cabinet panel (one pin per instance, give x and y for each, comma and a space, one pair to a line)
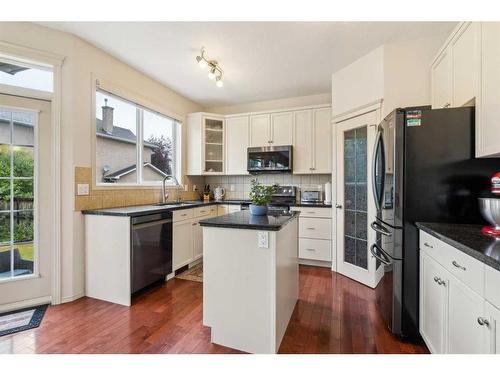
457, 309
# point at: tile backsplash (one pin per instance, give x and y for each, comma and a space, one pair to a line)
241, 184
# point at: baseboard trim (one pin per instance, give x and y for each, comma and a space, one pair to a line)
72, 298
316, 263
25, 303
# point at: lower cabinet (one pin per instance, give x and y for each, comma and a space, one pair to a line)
454, 317
197, 239
182, 243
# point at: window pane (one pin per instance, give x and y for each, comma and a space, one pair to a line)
23, 226
4, 227
4, 194
158, 146
116, 139
30, 78
23, 194
5, 117
23, 243
4, 160
5, 261
24, 163
23, 128
23, 259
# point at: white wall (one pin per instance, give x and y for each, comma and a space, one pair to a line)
298, 101
83, 59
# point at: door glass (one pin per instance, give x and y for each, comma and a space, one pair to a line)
355, 193
17, 173
214, 140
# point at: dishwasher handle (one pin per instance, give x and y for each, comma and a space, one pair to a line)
151, 223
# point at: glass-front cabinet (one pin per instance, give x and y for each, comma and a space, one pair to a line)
213, 145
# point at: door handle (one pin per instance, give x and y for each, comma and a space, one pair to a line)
380, 229
458, 265
382, 257
374, 164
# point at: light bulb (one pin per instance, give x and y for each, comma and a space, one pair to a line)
211, 74
219, 82
201, 62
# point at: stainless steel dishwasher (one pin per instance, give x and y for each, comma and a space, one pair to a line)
151, 257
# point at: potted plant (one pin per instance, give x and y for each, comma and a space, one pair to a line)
260, 196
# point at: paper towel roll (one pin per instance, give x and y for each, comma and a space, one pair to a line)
328, 193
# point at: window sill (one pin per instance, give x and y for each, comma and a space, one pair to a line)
19, 278
135, 187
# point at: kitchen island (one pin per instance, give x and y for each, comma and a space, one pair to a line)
250, 279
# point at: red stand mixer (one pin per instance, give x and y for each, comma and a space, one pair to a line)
490, 208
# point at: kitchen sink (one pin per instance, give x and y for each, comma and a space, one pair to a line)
174, 204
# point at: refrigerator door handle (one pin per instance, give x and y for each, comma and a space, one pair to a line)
374, 168
380, 229
382, 257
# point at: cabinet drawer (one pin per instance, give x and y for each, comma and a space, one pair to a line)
315, 249
491, 289
202, 211
213, 210
315, 228
325, 212
467, 269
179, 215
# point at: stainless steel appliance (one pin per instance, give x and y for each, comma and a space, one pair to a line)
311, 196
423, 170
270, 159
283, 198
151, 257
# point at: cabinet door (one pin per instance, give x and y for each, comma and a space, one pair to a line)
260, 128
441, 81
465, 334
282, 129
213, 135
222, 209
432, 304
465, 54
492, 338
302, 147
322, 142
183, 243
197, 240
236, 145
487, 133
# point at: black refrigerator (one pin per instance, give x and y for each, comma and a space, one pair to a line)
424, 169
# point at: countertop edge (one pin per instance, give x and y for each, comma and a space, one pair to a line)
272, 228
489, 261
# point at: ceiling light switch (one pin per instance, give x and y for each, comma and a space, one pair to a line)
83, 189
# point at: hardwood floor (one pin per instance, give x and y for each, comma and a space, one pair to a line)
333, 315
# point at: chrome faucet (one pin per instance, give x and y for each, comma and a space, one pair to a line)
164, 194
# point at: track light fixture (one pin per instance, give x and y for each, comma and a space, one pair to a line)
215, 72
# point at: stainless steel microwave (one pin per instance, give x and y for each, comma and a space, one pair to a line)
269, 159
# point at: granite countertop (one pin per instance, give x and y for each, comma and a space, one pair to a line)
245, 220
152, 208
467, 238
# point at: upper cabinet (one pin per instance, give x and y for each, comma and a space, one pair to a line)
322, 141
206, 140
236, 144
275, 129
466, 72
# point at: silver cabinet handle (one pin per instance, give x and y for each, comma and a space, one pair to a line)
339, 206
446, 105
458, 265
426, 244
436, 279
310, 212
442, 282
483, 321
311, 228
311, 249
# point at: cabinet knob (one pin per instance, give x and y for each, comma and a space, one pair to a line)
446, 105
483, 321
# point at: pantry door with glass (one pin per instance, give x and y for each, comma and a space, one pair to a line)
26, 201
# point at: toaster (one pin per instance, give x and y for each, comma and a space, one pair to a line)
311, 196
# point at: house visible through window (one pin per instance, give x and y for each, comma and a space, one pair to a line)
134, 145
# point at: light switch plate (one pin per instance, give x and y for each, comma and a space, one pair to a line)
263, 239
83, 189
231, 188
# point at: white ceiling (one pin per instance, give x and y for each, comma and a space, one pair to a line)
261, 60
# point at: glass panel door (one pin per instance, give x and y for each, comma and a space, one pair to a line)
214, 145
17, 174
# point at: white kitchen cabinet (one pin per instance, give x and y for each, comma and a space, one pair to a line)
197, 240
465, 53
492, 323
303, 145
236, 145
432, 304
488, 124
282, 128
441, 77
322, 141
182, 243
260, 130
206, 140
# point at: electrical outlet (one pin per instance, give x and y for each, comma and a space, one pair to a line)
195, 187
186, 187
232, 188
83, 189
263, 239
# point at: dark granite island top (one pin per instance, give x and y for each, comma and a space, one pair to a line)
468, 239
245, 220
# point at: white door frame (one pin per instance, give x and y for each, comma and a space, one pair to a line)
55, 62
369, 118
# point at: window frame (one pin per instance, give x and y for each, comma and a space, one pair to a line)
141, 105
